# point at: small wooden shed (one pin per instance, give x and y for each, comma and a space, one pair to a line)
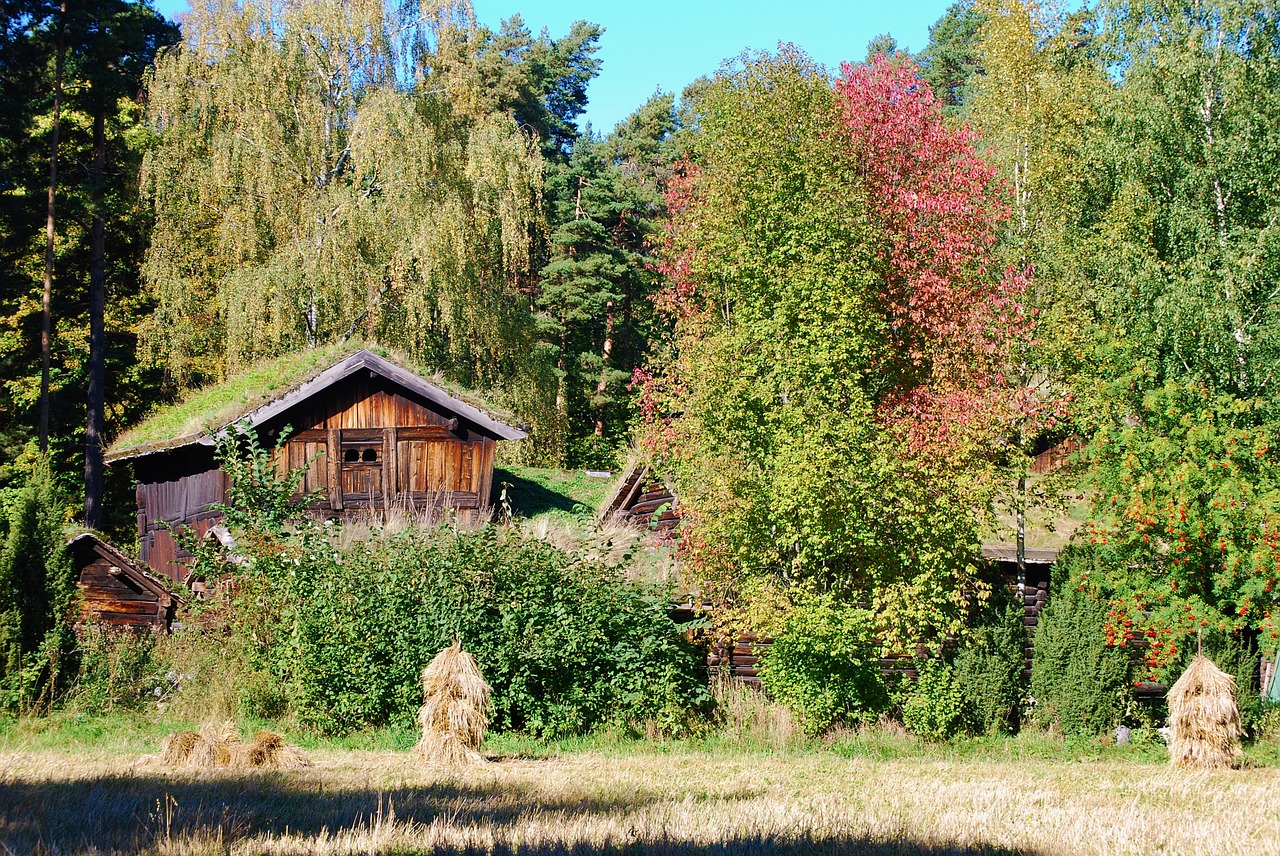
642, 494
115, 591
370, 433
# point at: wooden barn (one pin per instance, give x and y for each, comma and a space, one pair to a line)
115, 591
370, 432
645, 500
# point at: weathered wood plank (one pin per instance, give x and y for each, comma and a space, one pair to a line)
335, 473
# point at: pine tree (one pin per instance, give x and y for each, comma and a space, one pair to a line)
595, 291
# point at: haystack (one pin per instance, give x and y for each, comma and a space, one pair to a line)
268, 750
455, 712
221, 747
1204, 719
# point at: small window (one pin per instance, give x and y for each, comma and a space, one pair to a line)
370, 455
351, 456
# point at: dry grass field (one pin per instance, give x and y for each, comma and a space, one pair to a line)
661, 798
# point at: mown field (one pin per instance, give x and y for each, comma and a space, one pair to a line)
87, 788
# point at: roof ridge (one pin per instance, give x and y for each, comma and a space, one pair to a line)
272, 402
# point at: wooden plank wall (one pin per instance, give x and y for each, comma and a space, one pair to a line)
639, 497
1056, 457
113, 598
741, 657
165, 505
405, 453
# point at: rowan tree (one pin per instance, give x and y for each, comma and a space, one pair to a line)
1178, 347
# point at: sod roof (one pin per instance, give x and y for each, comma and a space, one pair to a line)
265, 388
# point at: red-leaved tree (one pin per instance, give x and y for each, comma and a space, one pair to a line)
839, 394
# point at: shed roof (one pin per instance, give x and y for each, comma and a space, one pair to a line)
86, 545
271, 388
1009, 553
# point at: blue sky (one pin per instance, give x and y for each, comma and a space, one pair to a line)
665, 44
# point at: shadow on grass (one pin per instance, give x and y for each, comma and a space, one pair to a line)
167, 811
527, 497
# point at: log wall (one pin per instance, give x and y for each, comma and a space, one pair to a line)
363, 443
115, 592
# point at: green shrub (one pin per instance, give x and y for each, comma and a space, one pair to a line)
259, 499
1078, 681
989, 667
566, 641
824, 665
980, 689
936, 709
1266, 728
36, 587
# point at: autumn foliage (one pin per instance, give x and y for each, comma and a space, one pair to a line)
839, 393
941, 208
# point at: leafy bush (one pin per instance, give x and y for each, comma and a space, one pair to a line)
980, 689
258, 497
1078, 681
824, 665
936, 708
566, 641
989, 668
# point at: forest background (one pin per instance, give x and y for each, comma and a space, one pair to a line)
841, 308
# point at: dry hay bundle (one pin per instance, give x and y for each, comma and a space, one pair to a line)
454, 715
268, 750
221, 747
176, 748
1204, 719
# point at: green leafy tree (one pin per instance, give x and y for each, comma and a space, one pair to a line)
313, 180
831, 314
540, 81
101, 228
1176, 359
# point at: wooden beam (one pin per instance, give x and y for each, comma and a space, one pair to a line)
390, 468
334, 451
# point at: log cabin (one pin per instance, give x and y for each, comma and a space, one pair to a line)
369, 432
117, 592
644, 499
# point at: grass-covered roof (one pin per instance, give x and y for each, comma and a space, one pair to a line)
211, 408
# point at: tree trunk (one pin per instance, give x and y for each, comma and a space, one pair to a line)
97, 332
46, 318
606, 354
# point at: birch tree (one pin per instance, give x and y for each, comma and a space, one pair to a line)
312, 183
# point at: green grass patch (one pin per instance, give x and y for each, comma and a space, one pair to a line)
132, 734
533, 492
216, 405
1145, 747
112, 734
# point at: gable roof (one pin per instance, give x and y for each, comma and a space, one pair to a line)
271, 389
85, 546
